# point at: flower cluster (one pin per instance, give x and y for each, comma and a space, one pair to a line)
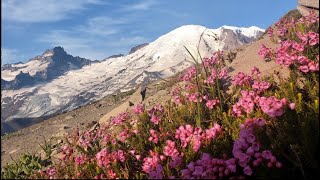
213, 60
155, 113
195, 136
118, 120
265, 52
260, 86
208, 168
189, 74
152, 166
154, 137
246, 103
292, 50
241, 79
171, 151
272, 106
247, 150
138, 109
51, 172
211, 103
66, 152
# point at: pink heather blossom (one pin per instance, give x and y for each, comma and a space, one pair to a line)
246, 102
157, 173
51, 172
177, 100
169, 149
106, 138
241, 79
213, 132
118, 120
121, 156
209, 168
272, 106
103, 158
246, 149
247, 171
313, 38
213, 60
223, 74
303, 37
283, 58
155, 119
260, 122
67, 151
138, 157
196, 143
124, 135
132, 152
155, 113
151, 165
304, 68
255, 72
176, 161
176, 91
211, 103
190, 87
298, 47
261, 86
302, 60
154, 137
189, 74
292, 106
101, 176
236, 109
278, 164
210, 80
79, 160
265, 52
194, 97
138, 109
270, 32
111, 174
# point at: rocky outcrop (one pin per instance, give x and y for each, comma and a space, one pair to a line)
134, 49
115, 56
59, 62
306, 6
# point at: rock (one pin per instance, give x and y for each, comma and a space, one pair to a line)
305, 10
309, 3
134, 49
70, 117
306, 6
13, 151
60, 141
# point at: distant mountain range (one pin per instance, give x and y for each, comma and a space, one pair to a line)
55, 81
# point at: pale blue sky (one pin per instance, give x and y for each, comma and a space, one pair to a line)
96, 29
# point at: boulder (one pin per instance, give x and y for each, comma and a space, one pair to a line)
306, 6
309, 3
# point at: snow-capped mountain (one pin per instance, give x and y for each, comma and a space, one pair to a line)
50, 65
80, 81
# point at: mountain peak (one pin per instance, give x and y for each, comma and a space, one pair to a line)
54, 51
58, 49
